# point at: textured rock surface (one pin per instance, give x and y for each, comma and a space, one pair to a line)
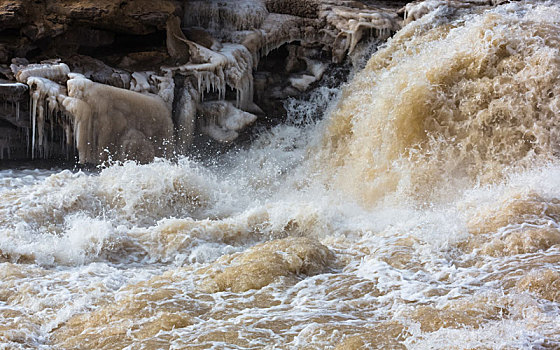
199, 59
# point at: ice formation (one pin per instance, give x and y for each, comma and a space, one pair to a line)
417, 9
165, 88
231, 66
139, 82
124, 122
98, 71
98, 117
185, 117
239, 72
207, 67
303, 81
45, 98
45, 95
56, 72
353, 24
221, 120
9, 90
231, 15
14, 93
207, 74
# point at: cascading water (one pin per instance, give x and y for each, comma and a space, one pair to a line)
421, 212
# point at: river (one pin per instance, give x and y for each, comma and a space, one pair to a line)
421, 211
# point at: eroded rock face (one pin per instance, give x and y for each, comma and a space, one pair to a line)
134, 17
137, 79
300, 8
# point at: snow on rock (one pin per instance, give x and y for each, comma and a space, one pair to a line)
139, 82
302, 82
13, 92
261, 31
165, 88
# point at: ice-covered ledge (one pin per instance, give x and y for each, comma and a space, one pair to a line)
138, 79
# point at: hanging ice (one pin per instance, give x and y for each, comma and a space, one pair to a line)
185, 118
239, 72
126, 123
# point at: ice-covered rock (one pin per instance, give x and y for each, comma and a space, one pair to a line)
225, 15
185, 116
416, 9
13, 92
56, 72
161, 66
123, 122
139, 82
98, 71
45, 97
221, 120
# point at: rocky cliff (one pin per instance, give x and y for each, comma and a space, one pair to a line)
137, 79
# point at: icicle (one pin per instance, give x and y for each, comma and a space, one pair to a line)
40, 125
186, 115
51, 125
27, 140
200, 77
34, 99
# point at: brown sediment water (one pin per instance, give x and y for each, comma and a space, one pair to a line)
421, 212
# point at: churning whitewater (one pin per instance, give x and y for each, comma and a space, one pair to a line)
420, 212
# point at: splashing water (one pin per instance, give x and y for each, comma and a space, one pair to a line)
421, 212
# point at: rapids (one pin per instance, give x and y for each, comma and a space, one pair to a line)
421, 211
